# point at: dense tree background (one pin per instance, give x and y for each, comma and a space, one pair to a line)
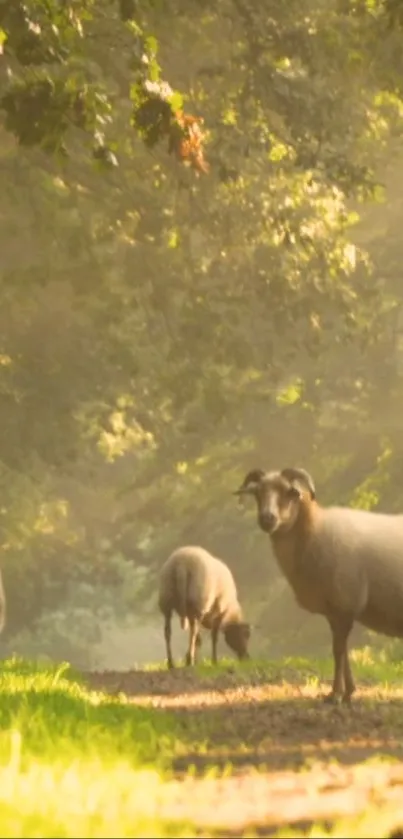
166, 326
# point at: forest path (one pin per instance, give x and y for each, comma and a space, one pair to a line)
282, 757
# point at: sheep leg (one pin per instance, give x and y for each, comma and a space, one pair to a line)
349, 684
193, 635
168, 636
214, 641
341, 629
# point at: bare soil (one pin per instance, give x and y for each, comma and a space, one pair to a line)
294, 759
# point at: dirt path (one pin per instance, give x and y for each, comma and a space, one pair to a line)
277, 728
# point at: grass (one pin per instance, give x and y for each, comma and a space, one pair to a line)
77, 762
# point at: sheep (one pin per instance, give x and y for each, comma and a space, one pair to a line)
342, 563
201, 590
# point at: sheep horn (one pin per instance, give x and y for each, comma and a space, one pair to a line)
302, 476
250, 483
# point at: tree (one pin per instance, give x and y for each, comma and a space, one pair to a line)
162, 332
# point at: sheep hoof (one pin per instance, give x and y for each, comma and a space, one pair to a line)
170, 665
332, 698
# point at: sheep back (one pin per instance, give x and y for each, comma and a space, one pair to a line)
196, 584
351, 560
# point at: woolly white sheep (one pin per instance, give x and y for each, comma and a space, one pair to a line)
202, 591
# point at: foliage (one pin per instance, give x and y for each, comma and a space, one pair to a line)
161, 332
51, 88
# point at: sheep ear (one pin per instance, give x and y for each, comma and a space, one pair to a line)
302, 476
248, 490
250, 483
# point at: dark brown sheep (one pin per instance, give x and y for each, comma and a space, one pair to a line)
343, 563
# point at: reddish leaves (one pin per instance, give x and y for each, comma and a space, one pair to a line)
186, 139
155, 118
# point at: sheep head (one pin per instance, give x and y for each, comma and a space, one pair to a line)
278, 496
237, 635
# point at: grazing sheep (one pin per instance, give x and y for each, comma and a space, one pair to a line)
342, 563
202, 591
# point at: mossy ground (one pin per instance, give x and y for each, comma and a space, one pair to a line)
228, 750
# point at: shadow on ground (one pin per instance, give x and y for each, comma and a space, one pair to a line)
249, 721
266, 726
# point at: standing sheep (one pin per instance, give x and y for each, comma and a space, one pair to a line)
202, 591
342, 563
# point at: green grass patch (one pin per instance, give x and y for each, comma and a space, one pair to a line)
55, 713
75, 762
370, 667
